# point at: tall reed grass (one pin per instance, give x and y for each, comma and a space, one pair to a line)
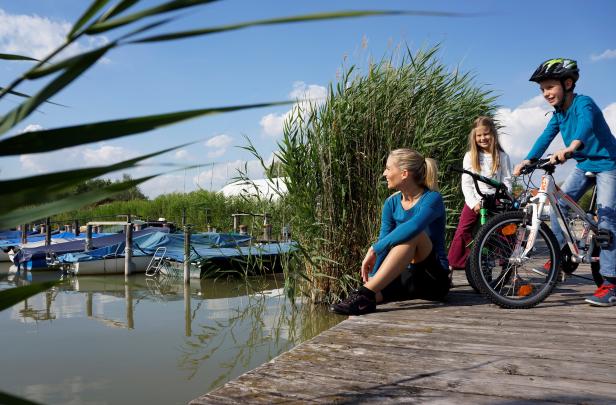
334, 155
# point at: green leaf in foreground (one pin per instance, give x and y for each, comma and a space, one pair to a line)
160, 9
28, 214
12, 56
43, 188
292, 19
39, 141
16, 93
80, 65
13, 296
86, 16
9, 399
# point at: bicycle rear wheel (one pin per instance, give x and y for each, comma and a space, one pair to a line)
504, 282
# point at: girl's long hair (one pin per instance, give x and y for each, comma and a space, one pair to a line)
423, 170
494, 148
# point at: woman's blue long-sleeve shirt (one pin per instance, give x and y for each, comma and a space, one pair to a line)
399, 225
585, 122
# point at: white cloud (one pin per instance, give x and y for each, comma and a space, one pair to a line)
106, 155
217, 146
167, 183
32, 128
308, 96
607, 54
79, 156
35, 36
184, 155
610, 116
522, 125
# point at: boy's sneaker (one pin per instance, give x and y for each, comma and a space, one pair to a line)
605, 295
355, 304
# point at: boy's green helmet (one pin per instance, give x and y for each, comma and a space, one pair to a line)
558, 69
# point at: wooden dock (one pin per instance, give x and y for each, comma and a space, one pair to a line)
465, 351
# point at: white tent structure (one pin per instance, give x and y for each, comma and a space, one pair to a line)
261, 188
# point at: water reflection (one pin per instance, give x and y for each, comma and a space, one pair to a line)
189, 339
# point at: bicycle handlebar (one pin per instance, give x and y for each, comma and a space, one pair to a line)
477, 177
543, 164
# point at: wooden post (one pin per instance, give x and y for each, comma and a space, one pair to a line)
24, 234
76, 227
235, 222
186, 254
267, 232
184, 216
89, 244
47, 231
128, 251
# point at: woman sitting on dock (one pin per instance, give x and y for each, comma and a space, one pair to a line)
408, 261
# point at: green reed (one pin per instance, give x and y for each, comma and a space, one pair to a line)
334, 155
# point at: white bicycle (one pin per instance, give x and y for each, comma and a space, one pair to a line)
516, 258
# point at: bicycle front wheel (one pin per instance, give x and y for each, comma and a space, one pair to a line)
510, 283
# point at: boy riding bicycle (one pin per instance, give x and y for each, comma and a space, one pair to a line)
589, 141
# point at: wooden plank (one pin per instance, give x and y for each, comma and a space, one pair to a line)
464, 351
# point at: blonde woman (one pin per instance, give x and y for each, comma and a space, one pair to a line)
486, 157
408, 260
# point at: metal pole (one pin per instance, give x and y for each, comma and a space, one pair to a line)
76, 227
187, 311
88, 246
128, 251
235, 222
187, 254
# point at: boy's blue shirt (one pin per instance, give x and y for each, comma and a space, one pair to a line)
583, 121
399, 225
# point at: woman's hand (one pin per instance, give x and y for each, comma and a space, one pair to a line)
367, 264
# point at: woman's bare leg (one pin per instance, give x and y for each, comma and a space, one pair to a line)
414, 250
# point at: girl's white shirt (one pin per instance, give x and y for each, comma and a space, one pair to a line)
503, 175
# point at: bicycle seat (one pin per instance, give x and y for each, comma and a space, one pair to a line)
590, 174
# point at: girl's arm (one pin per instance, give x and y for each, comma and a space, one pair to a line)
471, 198
506, 172
429, 208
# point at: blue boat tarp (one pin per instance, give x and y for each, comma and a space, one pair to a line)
76, 245
203, 246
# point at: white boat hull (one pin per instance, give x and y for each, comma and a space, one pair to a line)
109, 266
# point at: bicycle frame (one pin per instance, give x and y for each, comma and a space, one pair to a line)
549, 191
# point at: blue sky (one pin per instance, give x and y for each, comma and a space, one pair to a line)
501, 42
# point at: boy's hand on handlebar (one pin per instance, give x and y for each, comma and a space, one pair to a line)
517, 170
367, 264
561, 156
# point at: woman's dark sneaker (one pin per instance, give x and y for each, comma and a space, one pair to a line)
360, 302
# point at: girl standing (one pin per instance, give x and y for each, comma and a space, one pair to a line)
486, 157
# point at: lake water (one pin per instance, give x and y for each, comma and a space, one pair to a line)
100, 340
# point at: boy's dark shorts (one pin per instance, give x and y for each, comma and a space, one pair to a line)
426, 280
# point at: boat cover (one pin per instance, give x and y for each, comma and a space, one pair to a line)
203, 246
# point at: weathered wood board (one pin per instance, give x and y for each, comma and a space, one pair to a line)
463, 351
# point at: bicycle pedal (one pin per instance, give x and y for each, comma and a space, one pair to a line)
603, 238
